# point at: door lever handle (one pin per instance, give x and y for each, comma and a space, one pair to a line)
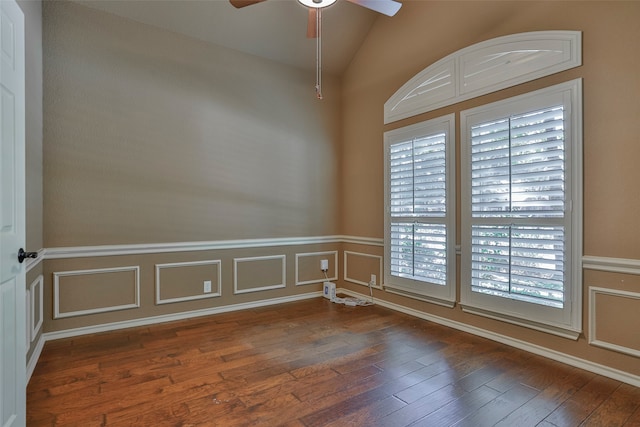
22, 255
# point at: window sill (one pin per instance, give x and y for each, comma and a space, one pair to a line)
542, 327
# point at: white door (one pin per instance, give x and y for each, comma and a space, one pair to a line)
12, 217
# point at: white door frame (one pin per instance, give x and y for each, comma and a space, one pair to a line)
12, 216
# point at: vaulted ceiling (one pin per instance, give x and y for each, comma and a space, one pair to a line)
274, 29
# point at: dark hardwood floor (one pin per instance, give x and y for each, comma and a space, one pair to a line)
313, 363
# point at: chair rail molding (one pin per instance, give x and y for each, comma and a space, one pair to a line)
612, 265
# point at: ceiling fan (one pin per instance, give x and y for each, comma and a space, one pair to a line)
386, 7
314, 22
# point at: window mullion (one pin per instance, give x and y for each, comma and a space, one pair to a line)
510, 268
510, 274
413, 240
413, 205
413, 176
510, 167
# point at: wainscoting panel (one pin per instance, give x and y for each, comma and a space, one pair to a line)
308, 267
254, 274
82, 292
358, 268
172, 279
613, 320
36, 308
185, 281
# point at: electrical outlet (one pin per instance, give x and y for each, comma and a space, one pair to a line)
373, 280
207, 286
324, 264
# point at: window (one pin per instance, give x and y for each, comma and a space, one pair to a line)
419, 219
521, 213
520, 183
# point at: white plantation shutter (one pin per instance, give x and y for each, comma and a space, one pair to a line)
418, 176
520, 161
419, 238
518, 165
417, 190
419, 251
523, 263
401, 158
517, 171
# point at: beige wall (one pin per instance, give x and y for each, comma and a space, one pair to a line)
424, 32
33, 87
154, 137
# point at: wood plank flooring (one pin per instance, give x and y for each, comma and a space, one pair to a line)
313, 363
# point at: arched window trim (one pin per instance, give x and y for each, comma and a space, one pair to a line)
485, 67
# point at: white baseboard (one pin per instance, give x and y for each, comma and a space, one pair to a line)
33, 360
49, 336
577, 362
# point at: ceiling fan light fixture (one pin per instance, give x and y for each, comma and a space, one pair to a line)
317, 4
314, 22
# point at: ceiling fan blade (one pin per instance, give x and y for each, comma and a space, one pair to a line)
243, 3
386, 7
312, 30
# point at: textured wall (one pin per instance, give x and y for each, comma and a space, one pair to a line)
33, 106
154, 137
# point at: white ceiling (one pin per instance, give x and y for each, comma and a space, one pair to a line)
274, 29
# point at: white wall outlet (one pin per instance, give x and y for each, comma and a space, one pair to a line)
207, 286
324, 264
373, 280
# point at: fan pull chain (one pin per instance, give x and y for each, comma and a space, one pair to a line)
319, 53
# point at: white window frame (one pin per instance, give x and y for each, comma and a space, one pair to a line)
430, 292
566, 321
